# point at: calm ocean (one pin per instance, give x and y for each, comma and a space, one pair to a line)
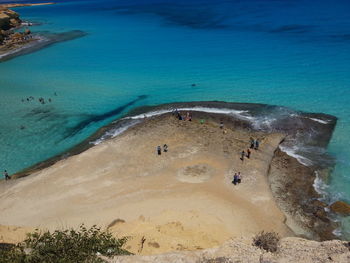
294, 53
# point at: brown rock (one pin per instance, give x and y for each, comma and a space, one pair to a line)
4, 21
340, 207
14, 22
321, 214
8, 19
319, 203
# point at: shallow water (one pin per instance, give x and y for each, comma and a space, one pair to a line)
290, 53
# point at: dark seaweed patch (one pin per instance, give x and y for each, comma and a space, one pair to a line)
97, 118
178, 14
292, 29
340, 37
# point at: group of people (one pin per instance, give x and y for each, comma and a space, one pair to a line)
245, 154
237, 178
159, 149
187, 117
41, 99
6, 175
254, 144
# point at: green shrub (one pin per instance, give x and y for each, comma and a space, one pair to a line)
267, 240
66, 246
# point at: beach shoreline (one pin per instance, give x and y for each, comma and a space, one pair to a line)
163, 124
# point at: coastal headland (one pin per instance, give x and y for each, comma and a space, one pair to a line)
182, 199
17, 39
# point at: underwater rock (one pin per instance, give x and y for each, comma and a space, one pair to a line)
341, 208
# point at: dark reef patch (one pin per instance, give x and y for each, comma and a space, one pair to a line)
340, 37
97, 118
181, 14
292, 29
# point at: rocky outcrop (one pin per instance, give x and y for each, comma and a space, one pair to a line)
8, 19
10, 40
21, 41
290, 249
341, 208
292, 186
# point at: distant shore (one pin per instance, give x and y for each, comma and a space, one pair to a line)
20, 5
16, 37
136, 193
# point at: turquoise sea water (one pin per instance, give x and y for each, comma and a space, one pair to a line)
290, 53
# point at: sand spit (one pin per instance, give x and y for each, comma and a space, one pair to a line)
38, 41
180, 200
22, 5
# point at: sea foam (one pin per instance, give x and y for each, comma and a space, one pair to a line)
292, 151
115, 132
241, 114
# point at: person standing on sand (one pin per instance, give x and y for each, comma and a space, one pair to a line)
248, 153
178, 115
256, 144
159, 150
242, 155
239, 178
7, 177
165, 148
221, 124
235, 179
252, 143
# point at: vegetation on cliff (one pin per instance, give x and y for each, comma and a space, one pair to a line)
267, 240
82, 245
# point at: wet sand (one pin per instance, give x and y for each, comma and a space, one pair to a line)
180, 200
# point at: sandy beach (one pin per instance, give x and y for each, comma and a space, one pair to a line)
180, 200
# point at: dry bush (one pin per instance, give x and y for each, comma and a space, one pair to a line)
267, 240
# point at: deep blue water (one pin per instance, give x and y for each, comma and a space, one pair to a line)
291, 53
